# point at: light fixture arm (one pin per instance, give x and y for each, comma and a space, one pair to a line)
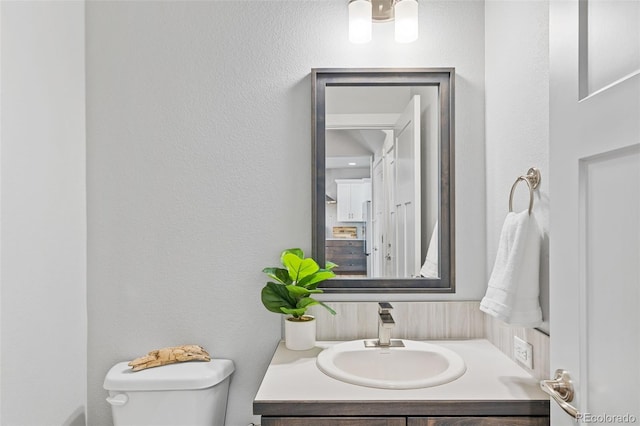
382, 10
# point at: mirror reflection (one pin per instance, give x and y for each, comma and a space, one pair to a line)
383, 178
381, 181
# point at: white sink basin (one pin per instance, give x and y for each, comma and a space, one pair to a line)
417, 365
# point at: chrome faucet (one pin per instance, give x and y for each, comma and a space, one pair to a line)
385, 324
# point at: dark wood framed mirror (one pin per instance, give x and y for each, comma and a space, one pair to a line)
383, 178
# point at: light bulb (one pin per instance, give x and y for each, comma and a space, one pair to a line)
406, 26
359, 21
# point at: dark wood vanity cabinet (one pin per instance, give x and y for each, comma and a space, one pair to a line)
349, 255
404, 413
406, 421
327, 402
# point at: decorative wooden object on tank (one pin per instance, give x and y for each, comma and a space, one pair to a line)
170, 355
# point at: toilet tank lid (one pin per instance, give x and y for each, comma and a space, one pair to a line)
180, 376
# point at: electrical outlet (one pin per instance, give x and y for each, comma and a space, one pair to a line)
523, 352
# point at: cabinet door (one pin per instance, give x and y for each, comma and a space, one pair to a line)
333, 421
351, 198
478, 421
344, 202
358, 197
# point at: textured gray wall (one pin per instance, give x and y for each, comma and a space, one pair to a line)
43, 210
517, 124
198, 128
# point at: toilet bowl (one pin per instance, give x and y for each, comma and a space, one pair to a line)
182, 394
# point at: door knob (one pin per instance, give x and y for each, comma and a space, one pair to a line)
560, 388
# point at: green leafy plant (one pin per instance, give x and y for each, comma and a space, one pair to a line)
290, 292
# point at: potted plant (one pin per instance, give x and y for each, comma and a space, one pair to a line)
290, 294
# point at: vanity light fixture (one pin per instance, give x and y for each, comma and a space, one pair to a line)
362, 13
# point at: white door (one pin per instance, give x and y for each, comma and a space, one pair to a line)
377, 219
407, 190
388, 238
595, 207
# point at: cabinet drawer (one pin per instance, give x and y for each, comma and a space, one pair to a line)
349, 265
333, 421
478, 421
345, 243
346, 252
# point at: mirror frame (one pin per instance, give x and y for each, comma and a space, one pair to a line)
443, 79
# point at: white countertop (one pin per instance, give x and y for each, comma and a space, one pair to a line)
490, 376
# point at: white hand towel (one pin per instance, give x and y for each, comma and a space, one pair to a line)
430, 267
514, 286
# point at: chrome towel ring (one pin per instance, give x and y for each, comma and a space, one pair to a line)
533, 180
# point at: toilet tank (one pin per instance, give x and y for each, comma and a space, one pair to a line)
182, 394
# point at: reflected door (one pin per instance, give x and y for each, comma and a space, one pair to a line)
389, 237
377, 219
407, 190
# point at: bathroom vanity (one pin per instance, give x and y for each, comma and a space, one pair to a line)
494, 390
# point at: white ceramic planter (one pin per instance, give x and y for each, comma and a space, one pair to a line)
300, 335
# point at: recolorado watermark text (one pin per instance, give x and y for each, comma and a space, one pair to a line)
606, 418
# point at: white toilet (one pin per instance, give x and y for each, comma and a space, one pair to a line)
182, 394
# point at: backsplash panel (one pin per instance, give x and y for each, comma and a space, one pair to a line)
502, 334
414, 320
